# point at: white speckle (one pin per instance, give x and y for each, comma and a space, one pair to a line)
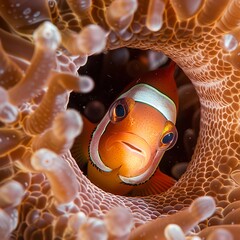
36, 14
18, 4
0, 140
27, 11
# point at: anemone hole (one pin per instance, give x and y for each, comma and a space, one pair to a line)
113, 71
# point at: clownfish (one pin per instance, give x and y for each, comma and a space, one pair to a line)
127, 145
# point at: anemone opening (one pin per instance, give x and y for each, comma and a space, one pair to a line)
112, 72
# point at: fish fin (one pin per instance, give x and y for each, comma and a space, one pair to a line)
172, 67
77, 152
79, 149
158, 183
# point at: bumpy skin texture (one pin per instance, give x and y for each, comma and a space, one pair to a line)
193, 39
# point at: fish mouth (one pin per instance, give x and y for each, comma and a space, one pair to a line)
132, 147
132, 142
131, 152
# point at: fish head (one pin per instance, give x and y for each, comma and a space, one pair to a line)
133, 141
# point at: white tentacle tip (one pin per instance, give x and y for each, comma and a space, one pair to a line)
221, 234
174, 232
92, 40
68, 124
43, 159
8, 112
93, 228
11, 193
203, 207
48, 36
119, 222
8, 221
86, 84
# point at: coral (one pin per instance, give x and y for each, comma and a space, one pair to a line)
44, 195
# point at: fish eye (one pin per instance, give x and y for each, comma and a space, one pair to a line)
169, 136
120, 108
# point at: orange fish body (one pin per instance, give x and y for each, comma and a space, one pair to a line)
129, 142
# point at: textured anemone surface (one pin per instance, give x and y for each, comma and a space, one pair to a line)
44, 195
